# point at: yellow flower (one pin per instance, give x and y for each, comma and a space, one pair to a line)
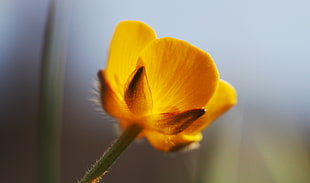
168, 87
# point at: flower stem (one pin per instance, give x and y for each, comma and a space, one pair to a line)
111, 154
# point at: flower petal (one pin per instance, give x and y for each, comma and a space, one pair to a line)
168, 143
111, 101
174, 123
224, 98
129, 38
137, 94
181, 77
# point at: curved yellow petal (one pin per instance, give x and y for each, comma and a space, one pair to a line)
168, 143
181, 76
129, 38
137, 94
224, 98
111, 102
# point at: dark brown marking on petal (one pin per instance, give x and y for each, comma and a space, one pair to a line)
131, 92
102, 82
179, 147
138, 95
174, 123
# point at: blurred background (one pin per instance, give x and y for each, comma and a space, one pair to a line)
260, 46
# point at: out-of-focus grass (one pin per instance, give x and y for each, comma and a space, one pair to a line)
255, 148
52, 89
284, 152
219, 159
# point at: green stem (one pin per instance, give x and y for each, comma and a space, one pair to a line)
51, 93
111, 155
51, 89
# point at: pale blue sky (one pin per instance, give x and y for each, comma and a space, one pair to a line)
262, 47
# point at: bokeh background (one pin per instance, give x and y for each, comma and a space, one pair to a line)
260, 46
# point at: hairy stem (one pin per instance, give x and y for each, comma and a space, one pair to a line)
110, 156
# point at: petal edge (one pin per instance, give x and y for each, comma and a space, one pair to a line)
180, 75
129, 39
223, 99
